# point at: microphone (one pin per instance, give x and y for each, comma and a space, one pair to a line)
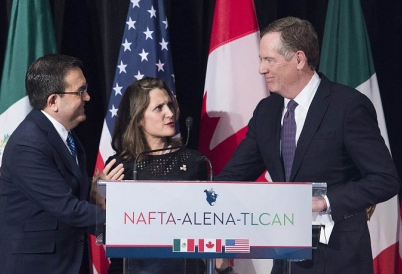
211, 173
189, 125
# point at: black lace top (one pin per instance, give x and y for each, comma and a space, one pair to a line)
183, 164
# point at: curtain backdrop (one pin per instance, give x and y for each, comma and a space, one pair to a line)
92, 31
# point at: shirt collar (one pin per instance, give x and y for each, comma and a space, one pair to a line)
61, 130
305, 97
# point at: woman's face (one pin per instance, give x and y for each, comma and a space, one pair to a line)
159, 121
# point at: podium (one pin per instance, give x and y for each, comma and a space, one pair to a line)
204, 219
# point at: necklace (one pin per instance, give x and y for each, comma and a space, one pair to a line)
168, 151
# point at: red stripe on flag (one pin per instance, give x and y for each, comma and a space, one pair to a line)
218, 245
201, 245
100, 263
190, 245
100, 164
223, 30
98, 256
387, 261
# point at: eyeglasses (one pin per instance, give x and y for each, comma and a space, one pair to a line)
78, 92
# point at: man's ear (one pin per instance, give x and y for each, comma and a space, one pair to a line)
52, 102
301, 59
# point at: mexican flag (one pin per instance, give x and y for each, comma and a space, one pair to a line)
30, 36
183, 245
346, 58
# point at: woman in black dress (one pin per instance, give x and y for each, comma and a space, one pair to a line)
146, 121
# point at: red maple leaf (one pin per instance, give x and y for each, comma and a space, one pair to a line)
209, 245
222, 153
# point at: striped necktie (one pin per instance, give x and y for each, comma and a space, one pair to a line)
288, 139
71, 144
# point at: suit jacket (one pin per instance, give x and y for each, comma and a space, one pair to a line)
44, 215
340, 144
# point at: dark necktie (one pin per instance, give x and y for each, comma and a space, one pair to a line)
288, 139
71, 144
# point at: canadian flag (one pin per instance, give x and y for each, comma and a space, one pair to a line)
233, 88
210, 245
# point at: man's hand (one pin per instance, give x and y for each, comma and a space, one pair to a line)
319, 204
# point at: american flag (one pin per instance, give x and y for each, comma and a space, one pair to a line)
144, 51
237, 246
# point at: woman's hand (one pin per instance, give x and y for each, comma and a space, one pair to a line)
107, 174
114, 174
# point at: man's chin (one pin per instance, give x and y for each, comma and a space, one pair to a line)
271, 88
81, 119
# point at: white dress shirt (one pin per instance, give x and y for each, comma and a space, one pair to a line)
304, 99
61, 130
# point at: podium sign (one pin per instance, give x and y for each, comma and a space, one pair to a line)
179, 219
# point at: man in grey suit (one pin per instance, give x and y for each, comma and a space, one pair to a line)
313, 130
44, 213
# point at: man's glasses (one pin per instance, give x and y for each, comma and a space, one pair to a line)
78, 92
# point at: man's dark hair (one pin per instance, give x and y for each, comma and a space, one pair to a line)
46, 76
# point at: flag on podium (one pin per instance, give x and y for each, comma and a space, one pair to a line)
144, 51
346, 58
233, 88
30, 36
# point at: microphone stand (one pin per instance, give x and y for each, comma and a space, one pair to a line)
210, 262
211, 174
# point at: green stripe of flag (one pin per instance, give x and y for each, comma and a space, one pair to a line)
176, 245
346, 53
30, 35
346, 58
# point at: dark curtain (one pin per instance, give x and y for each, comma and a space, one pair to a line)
92, 31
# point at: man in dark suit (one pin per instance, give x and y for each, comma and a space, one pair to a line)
335, 138
44, 213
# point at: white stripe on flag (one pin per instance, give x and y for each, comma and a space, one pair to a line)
372, 91
105, 148
382, 228
10, 119
233, 82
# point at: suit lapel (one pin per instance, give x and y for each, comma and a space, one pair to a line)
58, 145
65, 154
84, 186
272, 138
314, 117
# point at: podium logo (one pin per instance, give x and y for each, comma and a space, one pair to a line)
211, 196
